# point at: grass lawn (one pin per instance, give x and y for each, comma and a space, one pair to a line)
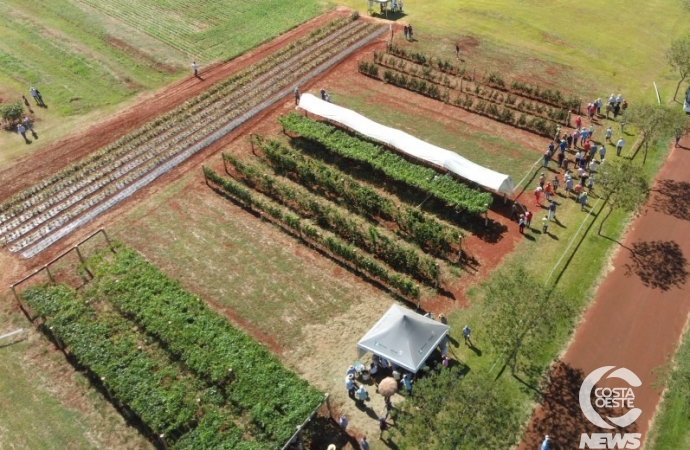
48, 405
616, 45
91, 56
671, 429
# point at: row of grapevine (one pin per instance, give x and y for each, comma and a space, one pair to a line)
429, 233
548, 96
113, 150
372, 239
164, 355
496, 95
503, 112
314, 234
390, 164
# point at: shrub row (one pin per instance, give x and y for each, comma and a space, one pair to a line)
372, 239
549, 96
490, 109
311, 233
424, 229
390, 164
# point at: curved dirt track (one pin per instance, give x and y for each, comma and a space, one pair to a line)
36, 166
637, 317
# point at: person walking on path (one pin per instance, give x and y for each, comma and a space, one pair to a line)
521, 224
195, 69
561, 157
619, 146
593, 167
528, 218
552, 210
296, 96
583, 201
466, 331
545, 225
409, 31
21, 130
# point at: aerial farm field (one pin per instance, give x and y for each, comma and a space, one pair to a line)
296, 234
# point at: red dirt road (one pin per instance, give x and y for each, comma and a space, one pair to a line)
637, 317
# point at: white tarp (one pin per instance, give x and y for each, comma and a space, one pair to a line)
409, 144
403, 337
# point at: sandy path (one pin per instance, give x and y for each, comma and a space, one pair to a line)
637, 317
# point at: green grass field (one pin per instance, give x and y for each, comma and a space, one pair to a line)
91, 56
609, 46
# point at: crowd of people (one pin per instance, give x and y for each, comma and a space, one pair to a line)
579, 157
27, 123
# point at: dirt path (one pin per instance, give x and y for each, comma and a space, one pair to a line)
637, 316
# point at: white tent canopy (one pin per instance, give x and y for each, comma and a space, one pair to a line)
403, 337
409, 144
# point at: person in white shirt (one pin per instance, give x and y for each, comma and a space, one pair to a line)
619, 146
194, 69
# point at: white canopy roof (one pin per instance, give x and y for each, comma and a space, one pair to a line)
403, 337
409, 144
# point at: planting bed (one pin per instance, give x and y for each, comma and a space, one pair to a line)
37, 217
164, 358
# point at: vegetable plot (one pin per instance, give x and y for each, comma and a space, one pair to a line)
388, 163
180, 367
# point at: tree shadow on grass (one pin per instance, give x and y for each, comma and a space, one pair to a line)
673, 198
560, 415
659, 264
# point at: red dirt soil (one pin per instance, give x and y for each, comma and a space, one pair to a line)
637, 317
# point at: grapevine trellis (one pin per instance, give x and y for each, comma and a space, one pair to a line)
34, 219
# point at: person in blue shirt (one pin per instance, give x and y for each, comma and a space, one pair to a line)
407, 383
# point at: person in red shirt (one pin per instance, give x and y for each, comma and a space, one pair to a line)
578, 122
528, 218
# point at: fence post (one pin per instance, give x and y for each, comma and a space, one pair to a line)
83, 261
328, 405
50, 275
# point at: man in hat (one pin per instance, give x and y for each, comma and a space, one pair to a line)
350, 385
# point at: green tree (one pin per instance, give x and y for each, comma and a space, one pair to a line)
521, 314
624, 186
11, 112
654, 122
449, 413
678, 57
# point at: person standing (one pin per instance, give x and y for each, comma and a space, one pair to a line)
561, 157
578, 192
528, 218
466, 331
195, 69
609, 132
537, 195
350, 386
521, 224
602, 152
578, 122
296, 96
34, 95
457, 51
547, 158
583, 201
28, 123
21, 130
542, 180
546, 444
576, 136
363, 444
569, 139
545, 225
556, 183
407, 383
568, 185
383, 426
552, 210
343, 422
409, 31
619, 146
514, 212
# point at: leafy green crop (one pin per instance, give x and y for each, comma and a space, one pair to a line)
389, 163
